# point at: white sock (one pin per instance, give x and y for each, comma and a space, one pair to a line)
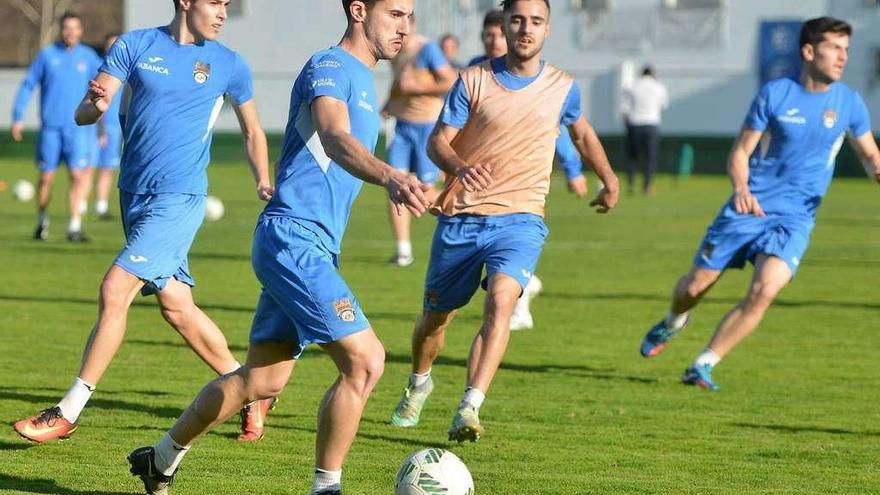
404, 248
326, 480
419, 379
83, 207
101, 206
44, 219
75, 401
235, 367
75, 224
473, 397
168, 455
707, 357
676, 322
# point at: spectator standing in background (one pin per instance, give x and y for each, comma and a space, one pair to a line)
643, 102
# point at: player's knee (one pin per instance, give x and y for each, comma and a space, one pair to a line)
761, 295
696, 286
432, 322
366, 370
113, 296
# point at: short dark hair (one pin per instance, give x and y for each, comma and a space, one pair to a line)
346, 5
176, 5
813, 31
70, 15
494, 17
506, 5
648, 71
448, 36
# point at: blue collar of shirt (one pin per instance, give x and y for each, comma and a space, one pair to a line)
510, 80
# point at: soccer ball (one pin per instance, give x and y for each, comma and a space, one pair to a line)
433, 471
213, 209
23, 191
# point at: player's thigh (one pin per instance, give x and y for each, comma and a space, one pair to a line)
501, 294
770, 276
303, 280
513, 247
454, 267
358, 353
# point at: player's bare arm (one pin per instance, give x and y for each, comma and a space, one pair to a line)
255, 147
866, 148
439, 85
590, 148
334, 130
738, 169
475, 177
98, 98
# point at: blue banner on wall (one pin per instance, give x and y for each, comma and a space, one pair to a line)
779, 50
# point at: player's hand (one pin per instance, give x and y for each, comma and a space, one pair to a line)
476, 177
18, 131
265, 192
98, 96
407, 193
746, 204
606, 199
578, 186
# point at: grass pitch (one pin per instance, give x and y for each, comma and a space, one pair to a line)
574, 409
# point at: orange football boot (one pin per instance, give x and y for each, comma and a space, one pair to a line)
46, 426
253, 419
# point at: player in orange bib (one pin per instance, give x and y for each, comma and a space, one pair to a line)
495, 140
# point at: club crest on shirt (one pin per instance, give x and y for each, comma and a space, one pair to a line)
344, 309
81, 66
829, 118
201, 72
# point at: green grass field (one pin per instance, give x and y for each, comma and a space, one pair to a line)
574, 408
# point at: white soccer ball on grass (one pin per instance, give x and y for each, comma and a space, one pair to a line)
214, 209
432, 471
23, 191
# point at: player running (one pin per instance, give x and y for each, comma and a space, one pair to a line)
495, 140
62, 70
178, 77
328, 151
780, 166
422, 76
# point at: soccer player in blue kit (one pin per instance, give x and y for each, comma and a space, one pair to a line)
62, 70
178, 77
328, 148
780, 167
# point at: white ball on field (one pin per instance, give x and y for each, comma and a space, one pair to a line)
433, 471
23, 191
213, 209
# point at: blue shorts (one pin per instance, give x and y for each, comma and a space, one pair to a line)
304, 298
108, 156
56, 144
508, 244
733, 238
159, 231
409, 150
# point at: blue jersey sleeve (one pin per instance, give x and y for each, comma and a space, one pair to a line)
119, 60
31, 79
327, 77
571, 109
567, 155
860, 121
241, 86
479, 59
457, 107
431, 57
759, 113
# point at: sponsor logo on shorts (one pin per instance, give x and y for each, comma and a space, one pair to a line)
431, 296
708, 249
829, 118
526, 273
344, 309
201, 72
796, 261
137, 259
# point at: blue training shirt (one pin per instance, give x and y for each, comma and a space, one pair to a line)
63, 76
431, 57
309, 186
791, 168
177, 92
566, 153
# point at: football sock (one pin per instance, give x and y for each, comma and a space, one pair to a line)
418, 380
676, 322
473, 397
235, 367
75, 401
168, 455
404, 248
75, 224
44, 219
83, 207
326, 480
101, 206
707, 357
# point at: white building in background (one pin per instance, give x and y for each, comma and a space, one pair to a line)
704, 50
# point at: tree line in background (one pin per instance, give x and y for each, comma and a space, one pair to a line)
28, 25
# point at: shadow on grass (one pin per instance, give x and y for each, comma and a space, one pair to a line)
664, 298
575, 370
15, 446
37, 485
808, 429
99, 403
360, 435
